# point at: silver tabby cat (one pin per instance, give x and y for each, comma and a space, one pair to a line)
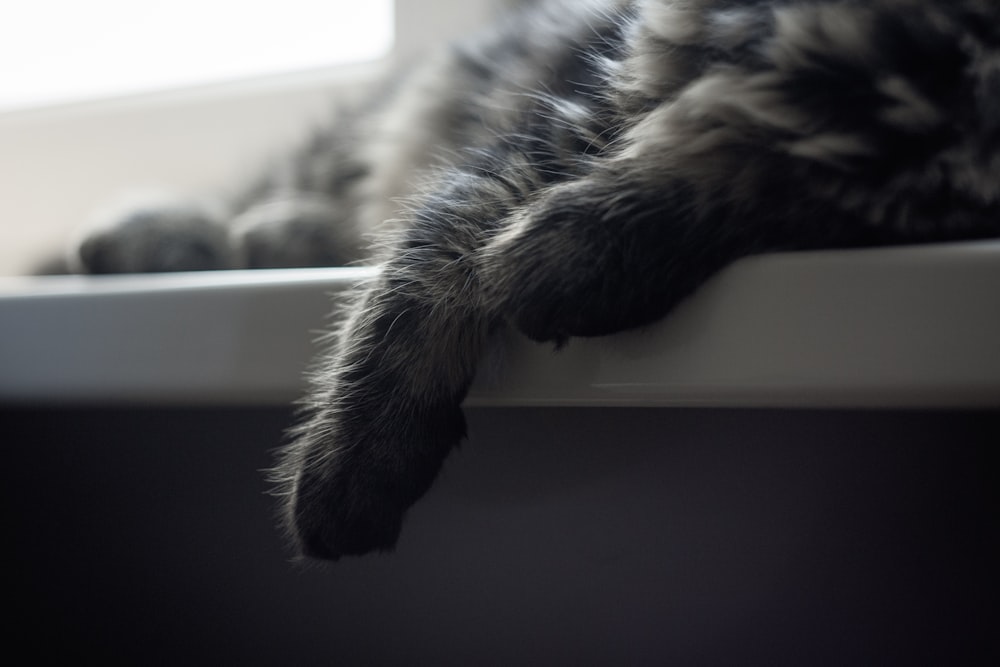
592, 164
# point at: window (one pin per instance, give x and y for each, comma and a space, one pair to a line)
56, 51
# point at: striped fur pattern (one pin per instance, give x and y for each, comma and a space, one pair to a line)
584, 168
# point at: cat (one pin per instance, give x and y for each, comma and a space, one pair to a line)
584, 167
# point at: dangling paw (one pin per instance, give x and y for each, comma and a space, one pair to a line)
350, 479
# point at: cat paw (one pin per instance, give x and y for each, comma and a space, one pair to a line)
336, 513
592, 258
556, 278
152, 236
295, 231
348, 495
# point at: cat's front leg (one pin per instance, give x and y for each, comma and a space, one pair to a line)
383, 415
385, 411
607, 252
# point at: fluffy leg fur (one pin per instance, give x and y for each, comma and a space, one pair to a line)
386, 411
680, 136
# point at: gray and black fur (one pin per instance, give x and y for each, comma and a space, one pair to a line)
583, 169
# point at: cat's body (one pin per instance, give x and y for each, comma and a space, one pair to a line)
594, 163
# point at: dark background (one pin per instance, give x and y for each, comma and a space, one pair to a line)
555, 536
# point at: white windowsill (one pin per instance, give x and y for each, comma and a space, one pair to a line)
900, 327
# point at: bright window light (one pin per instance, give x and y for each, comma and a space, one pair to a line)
55, 51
